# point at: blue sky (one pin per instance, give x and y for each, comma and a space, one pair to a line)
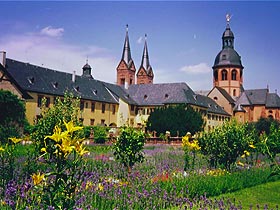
183, 37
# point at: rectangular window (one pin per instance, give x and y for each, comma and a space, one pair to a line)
102, 122
39, 101
103, 108
92, 106
122, 81
48, 101
91, 121
82, 105
81, 120
86, 105
113, 109
132, 108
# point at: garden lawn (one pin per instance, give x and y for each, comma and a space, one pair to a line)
261, 195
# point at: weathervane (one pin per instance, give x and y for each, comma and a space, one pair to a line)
228, 17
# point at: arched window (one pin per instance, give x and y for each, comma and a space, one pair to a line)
234, 92
233, 74
224, 74
216, 75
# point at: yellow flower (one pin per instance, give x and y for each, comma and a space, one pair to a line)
81, 150
100, 187
57, 135
191, 145
15, 140
252, 146
38, 178
240, 163
71, 128
44, 150
65, 147
2, 149
246, 153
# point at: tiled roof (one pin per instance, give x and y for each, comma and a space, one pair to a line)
211, 105
273, 100
257, 96
46, 81
120, 92
160, 94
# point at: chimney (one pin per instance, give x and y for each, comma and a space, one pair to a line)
74, 76
3, 58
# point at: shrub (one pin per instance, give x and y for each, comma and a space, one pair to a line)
12, 116
128, 147
224, 144
100, 134
63, 110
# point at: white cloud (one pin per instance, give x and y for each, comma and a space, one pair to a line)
52, 32
56, 54
196, 69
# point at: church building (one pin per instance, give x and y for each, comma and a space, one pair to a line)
228, 90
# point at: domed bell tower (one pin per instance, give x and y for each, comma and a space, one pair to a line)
228, 69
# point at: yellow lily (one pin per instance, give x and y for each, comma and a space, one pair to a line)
57, 135
71, 128
38, 178
15, 140
2, 149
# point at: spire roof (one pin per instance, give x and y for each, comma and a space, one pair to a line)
126, 56
145, 63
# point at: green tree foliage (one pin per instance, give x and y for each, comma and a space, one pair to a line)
65, 109
264, 124
179, 118
128, 147
12, 115
224, 144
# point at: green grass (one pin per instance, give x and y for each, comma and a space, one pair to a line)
263, 194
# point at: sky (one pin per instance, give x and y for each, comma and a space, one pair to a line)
183, 37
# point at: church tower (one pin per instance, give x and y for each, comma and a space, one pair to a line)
126, 68
228, 69
145, 73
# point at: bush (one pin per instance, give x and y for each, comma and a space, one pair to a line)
224, 144
100, 134
63, 110
12, 116
128, 147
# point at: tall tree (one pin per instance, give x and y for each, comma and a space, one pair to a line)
176, 119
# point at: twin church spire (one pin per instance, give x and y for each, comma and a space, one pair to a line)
126, 68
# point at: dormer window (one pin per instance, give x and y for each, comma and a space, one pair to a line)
77, 89
94, 92
195, 97
31, 80
166, 95
55, 85
145, 96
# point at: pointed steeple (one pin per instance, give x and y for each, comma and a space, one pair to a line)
145, 73
145, 63
126, 56
126, 68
